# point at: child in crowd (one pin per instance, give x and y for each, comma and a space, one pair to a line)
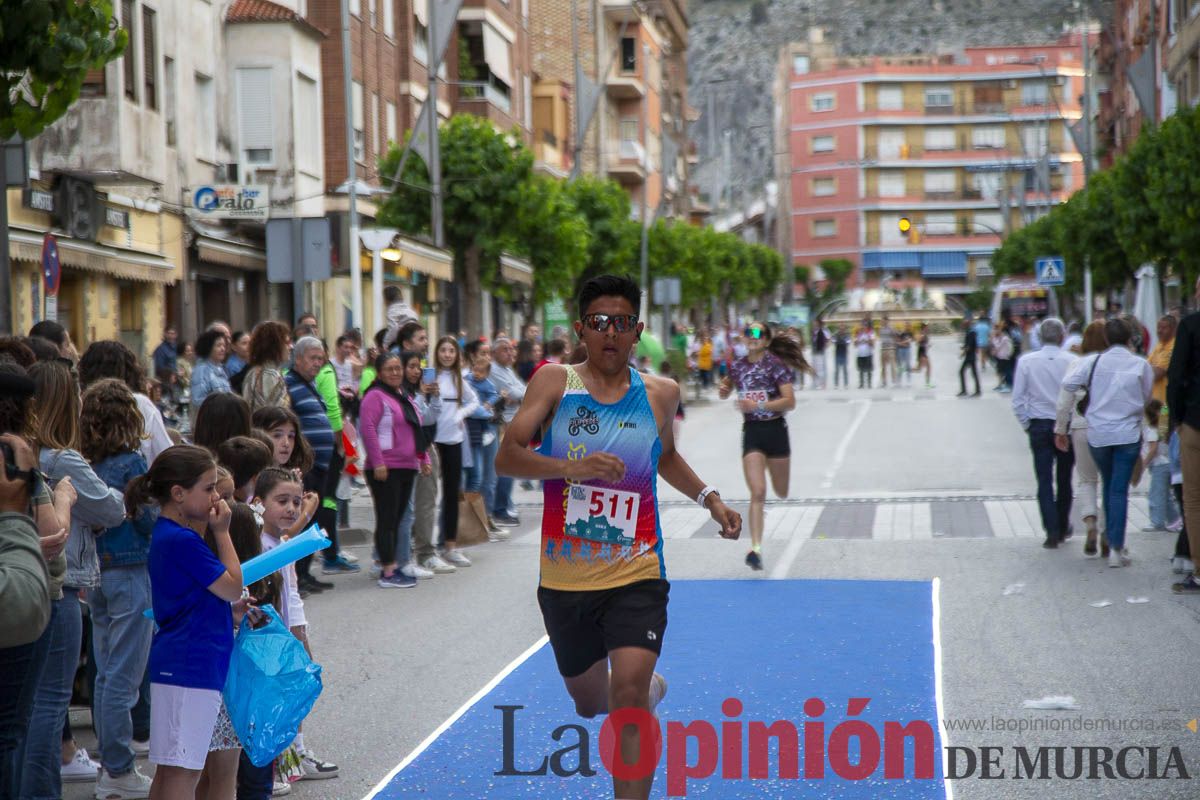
244, 457
191, 591
291, 449
111, 432
285, 508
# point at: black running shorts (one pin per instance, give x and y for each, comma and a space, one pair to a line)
769, 437
584, 626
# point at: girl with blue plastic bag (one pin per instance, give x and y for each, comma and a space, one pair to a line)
191, 593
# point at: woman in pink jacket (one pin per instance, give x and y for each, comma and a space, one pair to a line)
390, 426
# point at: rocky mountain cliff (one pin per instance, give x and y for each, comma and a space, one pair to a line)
735, 43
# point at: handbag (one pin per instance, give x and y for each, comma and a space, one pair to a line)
472, 520
271, 687
1085, 401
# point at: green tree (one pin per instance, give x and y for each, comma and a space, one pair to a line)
1173, 191
554, 236
46, 50
614, 238
484, 174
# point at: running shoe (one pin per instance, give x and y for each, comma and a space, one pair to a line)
397, 580
133, 785
417, 571
81, 769
438, 565
506, 520
348, 556
339, 566
754, 560
1176, 526
457, 557
140, 747
280, 788
1189, 585
315, 769
1114, 559
499, 535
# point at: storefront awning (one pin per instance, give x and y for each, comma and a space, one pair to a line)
127, 264
425, 259
516, 270
230, 254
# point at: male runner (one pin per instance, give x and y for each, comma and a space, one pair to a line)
606, 437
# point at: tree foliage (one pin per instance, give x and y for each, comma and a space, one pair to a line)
554, 236
46, 50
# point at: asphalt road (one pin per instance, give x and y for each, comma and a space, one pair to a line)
398, 664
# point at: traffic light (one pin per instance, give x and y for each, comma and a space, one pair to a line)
905, 225
908, 229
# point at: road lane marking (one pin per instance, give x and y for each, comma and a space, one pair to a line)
839, 455
463, 709
939, 695
799, 535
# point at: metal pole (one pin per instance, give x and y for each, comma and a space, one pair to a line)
1089, 300
356, 298
5, 276
376, 290
435, 147
577, 139
644, 311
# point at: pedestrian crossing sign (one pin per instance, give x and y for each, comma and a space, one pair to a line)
1050, 271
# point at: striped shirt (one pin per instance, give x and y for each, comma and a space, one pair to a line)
314, 422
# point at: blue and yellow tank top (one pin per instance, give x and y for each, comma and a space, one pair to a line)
599, 535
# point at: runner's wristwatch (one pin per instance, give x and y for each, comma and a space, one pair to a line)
704, 493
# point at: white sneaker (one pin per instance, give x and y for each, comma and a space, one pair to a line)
417, 571
133, 785
1114, 559
315, 769
499, 535
280, 788
140, 749
346, 554
1126, 557
438, 565
457, 557
81, 769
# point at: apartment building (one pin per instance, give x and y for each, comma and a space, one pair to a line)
635, 54
967, 146
1182, 56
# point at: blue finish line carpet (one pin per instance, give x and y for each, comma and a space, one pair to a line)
772, 645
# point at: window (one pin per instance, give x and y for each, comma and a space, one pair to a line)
824, 187
800, 65
939, 223
389, 110
822, 144
989, 97
628, 54
488, 53
939, 96
149, 59
308, 125
356, 7
389, 18
205, 123
376, 128
988, 137
892, 143
169, 99
940, 138
420, 42
629, 129
891, 183
254, 115
528, 100
940, 181
360, 130
821, 102
986, 185
1033, 93
988, 223
824, 228
889, 229
891, 97
129, 66
1034, 138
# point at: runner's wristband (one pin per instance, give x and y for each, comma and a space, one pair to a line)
704, 493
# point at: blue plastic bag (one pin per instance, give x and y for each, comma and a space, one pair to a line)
271, 687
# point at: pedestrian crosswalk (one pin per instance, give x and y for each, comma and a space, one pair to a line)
882, 520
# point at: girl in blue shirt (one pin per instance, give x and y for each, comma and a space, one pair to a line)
191, 591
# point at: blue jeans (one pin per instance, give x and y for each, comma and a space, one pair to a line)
20, 668
502, 505
481, 474
121, 636
1116, 468
1162, 505
40, 757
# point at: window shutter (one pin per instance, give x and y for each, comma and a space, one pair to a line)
254, 108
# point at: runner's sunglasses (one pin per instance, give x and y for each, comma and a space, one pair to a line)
600, 322
754, 332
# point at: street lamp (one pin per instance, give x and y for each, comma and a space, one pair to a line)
379, 242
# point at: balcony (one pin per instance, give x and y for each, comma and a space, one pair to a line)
625, 85
549, 156
627, 161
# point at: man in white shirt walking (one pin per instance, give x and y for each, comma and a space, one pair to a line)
1039, 377
1119, 384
